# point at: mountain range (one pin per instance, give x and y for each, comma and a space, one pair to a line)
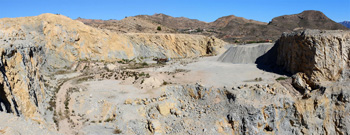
229, 28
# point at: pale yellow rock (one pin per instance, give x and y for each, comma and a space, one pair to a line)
142, 111
155, 126
319, 55
128, 101
86, 42
164, 108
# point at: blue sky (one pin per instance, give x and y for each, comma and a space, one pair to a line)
205, 10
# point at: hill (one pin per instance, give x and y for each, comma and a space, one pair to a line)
127, 25
229, 28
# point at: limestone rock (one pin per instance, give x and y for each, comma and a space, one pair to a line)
164, 108
321, 55
155, 126
299, 82
111, 67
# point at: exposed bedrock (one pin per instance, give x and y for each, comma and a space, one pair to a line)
249, 109
314, 55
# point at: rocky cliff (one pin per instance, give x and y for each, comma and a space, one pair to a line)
316, 55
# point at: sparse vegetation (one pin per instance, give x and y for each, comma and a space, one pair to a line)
166, 83
84, 79
258, 79
258, 41
281, 78
126, 61
59, 72
199, 30
117, 131
144, 64
110, 120
159, 28
140, 65
181, 70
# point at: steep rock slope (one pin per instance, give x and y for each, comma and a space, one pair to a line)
318, 55
59, 34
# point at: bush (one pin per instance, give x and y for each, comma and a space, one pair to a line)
159, 28
166, 83
199, 30
281, 78
144, 64
117, 131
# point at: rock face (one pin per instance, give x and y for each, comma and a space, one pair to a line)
36, 46
21, 85
64, 39
319, 55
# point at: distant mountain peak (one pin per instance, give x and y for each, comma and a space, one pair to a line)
346, 24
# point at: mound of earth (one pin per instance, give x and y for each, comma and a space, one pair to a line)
244, 54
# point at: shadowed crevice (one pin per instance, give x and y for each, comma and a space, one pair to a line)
268, 62
5, 105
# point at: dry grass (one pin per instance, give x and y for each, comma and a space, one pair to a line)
117, 131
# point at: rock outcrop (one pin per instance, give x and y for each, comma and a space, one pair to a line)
317, 55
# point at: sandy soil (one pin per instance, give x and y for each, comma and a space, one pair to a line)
209, 72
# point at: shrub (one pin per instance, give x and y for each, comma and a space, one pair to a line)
199, 30
144, 64
159, 28
117, 131
281, 78
165, 83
